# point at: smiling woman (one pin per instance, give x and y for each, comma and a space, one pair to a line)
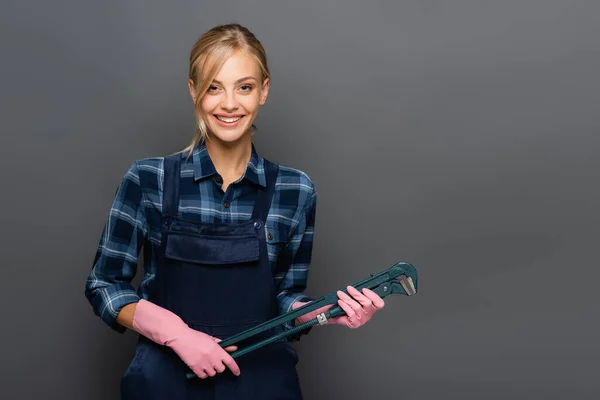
226, 110
227, 239
231, 103
228, 79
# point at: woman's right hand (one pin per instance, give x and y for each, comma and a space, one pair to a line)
202, 353
199, 351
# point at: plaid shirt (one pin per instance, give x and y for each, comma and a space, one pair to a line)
134, 220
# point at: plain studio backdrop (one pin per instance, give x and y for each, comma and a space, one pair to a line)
460, 136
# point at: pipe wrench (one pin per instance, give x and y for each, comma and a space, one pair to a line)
400, 278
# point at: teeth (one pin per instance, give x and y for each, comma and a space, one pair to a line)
228, 120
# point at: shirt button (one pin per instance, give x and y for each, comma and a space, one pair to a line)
226, 205
270, 236
219, 179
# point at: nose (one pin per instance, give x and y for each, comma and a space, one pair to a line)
229, 102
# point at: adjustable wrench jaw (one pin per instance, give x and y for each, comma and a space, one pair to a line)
406, 275
401, 278
404, 286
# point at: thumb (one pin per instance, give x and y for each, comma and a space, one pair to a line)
228, 348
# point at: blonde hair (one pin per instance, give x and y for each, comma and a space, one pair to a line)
208, 56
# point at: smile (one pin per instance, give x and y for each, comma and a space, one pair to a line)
228, 120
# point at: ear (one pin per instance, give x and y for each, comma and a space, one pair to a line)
264, 91
192, 88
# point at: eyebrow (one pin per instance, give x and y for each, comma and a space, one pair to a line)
238, 81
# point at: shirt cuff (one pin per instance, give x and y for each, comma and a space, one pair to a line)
286, 306
109, 301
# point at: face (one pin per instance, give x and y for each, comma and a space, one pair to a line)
231, 103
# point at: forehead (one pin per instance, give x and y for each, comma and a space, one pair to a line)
239, 65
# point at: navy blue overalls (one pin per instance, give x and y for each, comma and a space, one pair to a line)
218, 279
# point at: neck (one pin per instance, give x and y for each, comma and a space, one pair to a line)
230, 159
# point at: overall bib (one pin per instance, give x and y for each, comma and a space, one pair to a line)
218, 279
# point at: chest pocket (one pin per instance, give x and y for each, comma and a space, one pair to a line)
212, 249
278, 246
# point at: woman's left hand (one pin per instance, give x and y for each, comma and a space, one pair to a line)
359, 308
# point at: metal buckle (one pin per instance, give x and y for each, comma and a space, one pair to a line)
322, 319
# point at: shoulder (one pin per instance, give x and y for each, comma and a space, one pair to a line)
145, 170
299, 183
148, 173
151, 170
296, 177
151, 165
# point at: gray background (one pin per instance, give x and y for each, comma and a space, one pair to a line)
460, 136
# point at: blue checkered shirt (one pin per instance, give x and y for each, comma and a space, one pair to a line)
134, 221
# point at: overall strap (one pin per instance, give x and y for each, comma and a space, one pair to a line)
172, 167
265, 196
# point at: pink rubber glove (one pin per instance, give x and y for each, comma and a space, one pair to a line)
198, 350
359, 308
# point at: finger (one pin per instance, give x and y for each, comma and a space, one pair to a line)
220, 367
345, 297
228, 348
231, 364
355, 293
200, 373
350, 313
375, 298
351, 319
362, 299
351, 302
210, 371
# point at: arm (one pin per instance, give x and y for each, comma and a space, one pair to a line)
108, 287
115, 300
125, 316
359, 307
295, 280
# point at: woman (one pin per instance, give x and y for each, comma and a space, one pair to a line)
227, 239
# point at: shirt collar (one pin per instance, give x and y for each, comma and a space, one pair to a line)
204, 167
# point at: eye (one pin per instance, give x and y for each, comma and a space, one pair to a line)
212, 88
246, 88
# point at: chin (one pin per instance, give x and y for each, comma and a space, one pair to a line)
229, 136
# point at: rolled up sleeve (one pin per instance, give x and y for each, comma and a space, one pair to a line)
295, 280
108, 287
